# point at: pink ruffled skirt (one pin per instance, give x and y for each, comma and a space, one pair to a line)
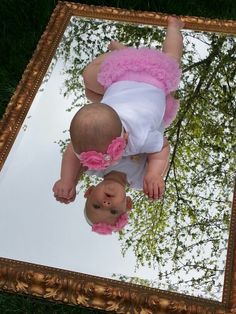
141, 65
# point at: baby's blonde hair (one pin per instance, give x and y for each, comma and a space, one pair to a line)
94, 127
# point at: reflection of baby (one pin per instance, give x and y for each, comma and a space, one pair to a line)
107, 202
134, 84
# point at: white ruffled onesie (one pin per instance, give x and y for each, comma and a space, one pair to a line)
141, 108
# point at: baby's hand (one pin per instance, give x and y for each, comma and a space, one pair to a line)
153, 186
64, 192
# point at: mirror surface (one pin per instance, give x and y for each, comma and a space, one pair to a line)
179, 244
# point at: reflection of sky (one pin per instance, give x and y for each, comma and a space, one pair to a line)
33, 226
42, 230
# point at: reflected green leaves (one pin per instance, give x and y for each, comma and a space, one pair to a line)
184, 237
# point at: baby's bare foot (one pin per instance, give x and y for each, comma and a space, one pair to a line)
115, 45
175, 22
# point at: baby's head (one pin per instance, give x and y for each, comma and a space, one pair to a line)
93, 128
107, 206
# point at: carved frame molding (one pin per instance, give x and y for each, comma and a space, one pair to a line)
80, 289
95, 292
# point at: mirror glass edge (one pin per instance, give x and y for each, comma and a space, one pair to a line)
230, 267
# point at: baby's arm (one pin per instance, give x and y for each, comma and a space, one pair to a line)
157, 166
71, 170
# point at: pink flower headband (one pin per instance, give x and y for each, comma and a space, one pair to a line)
104, 228
99, 161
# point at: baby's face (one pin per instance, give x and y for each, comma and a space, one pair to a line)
106, 202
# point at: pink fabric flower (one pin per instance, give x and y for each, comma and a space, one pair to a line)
104, 229
98, 161
93, 160
116, 148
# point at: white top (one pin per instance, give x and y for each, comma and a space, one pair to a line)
132, 166
141, 108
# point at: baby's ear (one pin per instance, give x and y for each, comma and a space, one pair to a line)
129, 203
88, 192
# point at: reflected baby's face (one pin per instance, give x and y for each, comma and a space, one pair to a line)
106, 202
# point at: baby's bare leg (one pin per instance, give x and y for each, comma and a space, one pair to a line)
92, 69
90, 74
116, 45
173, 44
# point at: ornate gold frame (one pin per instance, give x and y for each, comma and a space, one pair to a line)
75, 288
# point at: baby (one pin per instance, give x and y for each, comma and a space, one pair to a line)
104, 129
134, 85
107, 205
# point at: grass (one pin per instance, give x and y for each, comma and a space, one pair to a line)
18, 304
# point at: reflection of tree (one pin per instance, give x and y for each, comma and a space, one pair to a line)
185, 236
48, 73
135, 280
85, 40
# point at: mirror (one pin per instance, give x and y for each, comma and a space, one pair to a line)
176, 254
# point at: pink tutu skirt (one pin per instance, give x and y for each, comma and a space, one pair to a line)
140, 65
